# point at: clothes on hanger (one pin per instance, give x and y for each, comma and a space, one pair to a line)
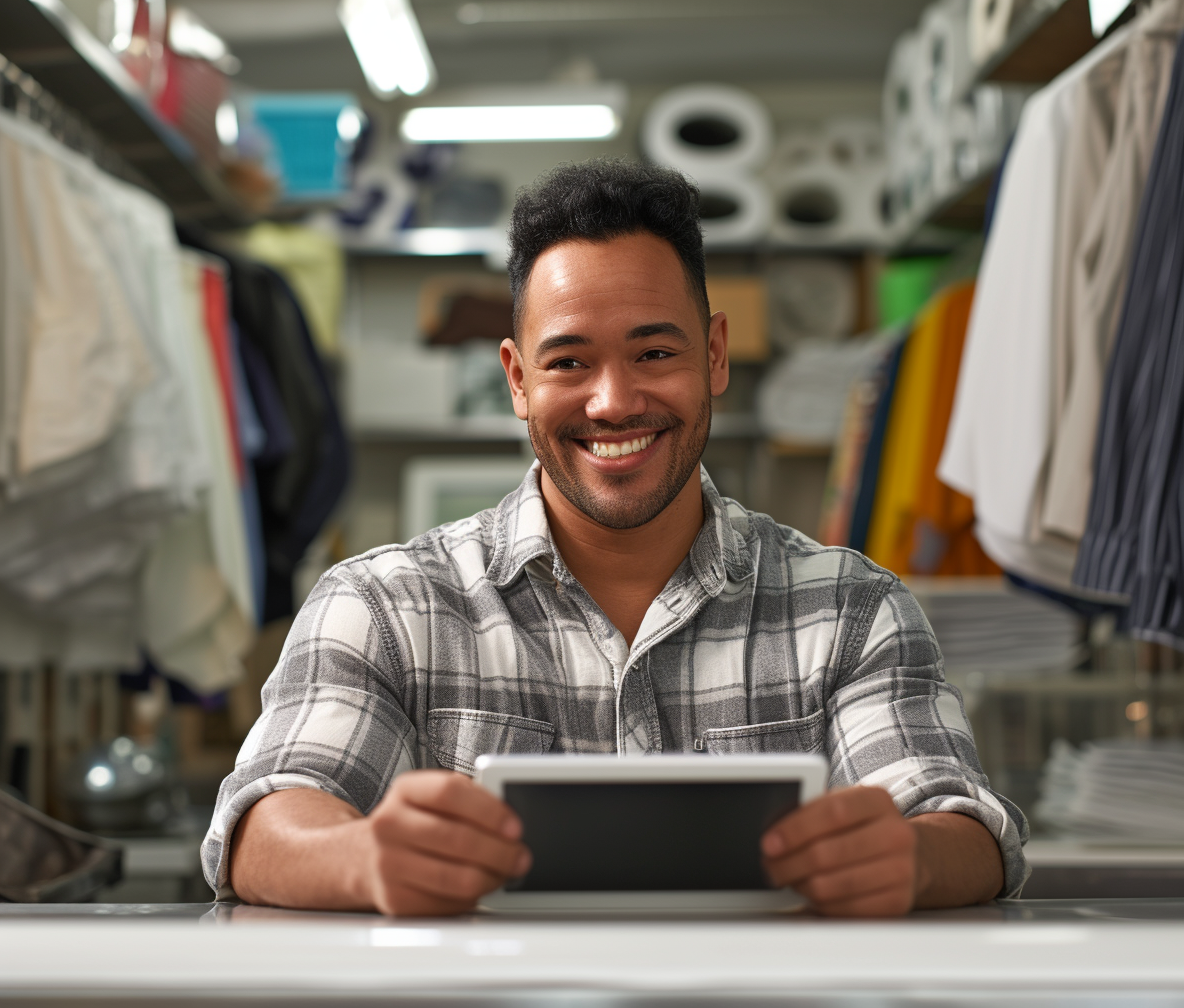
312, 263
304, 467
1132, 542
1055, 263
854, 443
160, 460
921, 526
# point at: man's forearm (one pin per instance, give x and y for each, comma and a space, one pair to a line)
301, 848
958, 861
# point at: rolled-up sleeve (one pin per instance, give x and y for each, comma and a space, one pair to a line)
331, 719
895, 723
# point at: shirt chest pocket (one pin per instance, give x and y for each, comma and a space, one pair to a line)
803, 735
457, 737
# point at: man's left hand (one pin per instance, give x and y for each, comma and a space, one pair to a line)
850, 853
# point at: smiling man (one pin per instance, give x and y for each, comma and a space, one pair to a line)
613, 603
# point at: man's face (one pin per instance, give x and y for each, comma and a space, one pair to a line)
614, 375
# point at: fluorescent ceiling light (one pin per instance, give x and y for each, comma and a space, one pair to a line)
389, 45
488, 123
1103, 13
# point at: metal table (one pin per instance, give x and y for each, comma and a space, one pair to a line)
1024, 952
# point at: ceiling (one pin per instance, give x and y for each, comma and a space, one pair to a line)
299, 43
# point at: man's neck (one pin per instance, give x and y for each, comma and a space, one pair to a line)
624, 569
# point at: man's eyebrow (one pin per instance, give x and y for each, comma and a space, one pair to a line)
551, 343
658, 329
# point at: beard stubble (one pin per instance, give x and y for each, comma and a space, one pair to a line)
625, 509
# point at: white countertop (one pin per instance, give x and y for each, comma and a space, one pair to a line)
1038, 948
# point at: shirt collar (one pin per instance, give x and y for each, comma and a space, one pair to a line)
521, 534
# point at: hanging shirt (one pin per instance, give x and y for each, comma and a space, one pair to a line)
1116, 120
920, 526
78, 354
1132, 542
996, 450
859, 411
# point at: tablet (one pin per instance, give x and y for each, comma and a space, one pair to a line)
678, 833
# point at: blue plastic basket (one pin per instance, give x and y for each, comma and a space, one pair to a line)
308, 155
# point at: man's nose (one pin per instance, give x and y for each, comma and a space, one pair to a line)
615, 396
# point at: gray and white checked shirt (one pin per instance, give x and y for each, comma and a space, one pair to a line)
475, 638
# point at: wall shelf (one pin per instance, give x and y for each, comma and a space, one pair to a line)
1049, 36
47, 42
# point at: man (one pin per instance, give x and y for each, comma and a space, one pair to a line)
613, 603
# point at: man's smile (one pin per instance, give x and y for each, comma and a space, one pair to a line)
616, 445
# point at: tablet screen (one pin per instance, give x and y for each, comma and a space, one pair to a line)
671, 836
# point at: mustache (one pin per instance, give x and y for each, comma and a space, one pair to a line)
645, 422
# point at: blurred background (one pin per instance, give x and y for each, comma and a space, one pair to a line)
252, 259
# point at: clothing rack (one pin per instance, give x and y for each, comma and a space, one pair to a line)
21, 94
74, 84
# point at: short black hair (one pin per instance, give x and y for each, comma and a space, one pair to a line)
602, 199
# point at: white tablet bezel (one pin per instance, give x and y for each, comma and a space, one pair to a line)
494, 772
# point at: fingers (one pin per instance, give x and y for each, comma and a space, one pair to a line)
456, 796
887, 881
462, 884
850, 853
459, 841
835, 812
440, 844
869, 841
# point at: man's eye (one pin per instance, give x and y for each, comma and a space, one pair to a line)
565, 364
656, 355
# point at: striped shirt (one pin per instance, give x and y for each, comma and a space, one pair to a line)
475, 638
1132, 543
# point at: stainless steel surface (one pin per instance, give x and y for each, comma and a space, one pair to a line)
1056, 952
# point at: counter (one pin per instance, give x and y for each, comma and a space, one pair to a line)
1055, 952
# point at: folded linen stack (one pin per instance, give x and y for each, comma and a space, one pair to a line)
982, 625
1118, 789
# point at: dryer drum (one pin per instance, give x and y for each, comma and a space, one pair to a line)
708, 131
812, 206
717, 206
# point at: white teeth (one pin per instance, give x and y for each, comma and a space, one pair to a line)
615, 449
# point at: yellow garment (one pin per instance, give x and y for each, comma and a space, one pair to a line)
920, 526
313, 263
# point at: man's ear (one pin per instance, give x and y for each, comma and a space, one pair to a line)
512, 362
717, 353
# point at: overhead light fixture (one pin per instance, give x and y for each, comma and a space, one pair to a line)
1103, 13
536, 112
389, 45
490, 123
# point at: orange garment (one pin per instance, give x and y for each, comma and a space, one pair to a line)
921, 526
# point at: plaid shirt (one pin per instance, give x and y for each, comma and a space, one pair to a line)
475, 638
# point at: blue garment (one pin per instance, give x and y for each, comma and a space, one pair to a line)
869, 474
252, 440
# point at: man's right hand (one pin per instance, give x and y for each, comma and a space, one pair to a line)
440, 843
434, 845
